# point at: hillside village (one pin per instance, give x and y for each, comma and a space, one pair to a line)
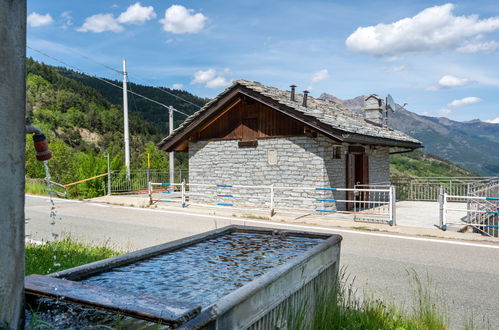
168, 166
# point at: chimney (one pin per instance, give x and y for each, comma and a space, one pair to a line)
293, 88
374, 109
305, 96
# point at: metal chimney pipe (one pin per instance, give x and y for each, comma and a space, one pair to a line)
305, 96
293, 89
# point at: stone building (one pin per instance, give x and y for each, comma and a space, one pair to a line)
251, 134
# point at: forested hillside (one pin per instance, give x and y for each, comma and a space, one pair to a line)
150, 111
82, 126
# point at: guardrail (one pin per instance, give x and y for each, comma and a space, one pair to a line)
364, 204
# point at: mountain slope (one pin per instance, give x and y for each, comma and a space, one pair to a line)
151, 112
472, 145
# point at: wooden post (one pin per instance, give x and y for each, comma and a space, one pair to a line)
12, 126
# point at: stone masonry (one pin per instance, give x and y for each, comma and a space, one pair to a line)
303, 163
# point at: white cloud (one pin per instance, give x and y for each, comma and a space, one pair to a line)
319, 76
179, 20
218, 82
100, 23
435, 28
464, 101
36, 20
493, 121
211, 78
137, 14
67, 18
177, 86
449, 81
397, 68
201, 77
444, 112
476, 47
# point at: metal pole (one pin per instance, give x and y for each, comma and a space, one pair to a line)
125, 118
13, 96
393, 213
148, 167
441, 207
272, 200
172, 156
183, 193
108, 176
444, 220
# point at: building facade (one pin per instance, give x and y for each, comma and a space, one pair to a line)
254, 135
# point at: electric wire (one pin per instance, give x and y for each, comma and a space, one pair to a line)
107, 81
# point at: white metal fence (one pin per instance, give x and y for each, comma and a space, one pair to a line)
428, 188
481, 211
137, 181
361, 204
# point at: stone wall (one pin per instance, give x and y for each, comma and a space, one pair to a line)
379, 165
300, 162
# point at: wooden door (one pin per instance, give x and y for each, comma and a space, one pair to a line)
350, 179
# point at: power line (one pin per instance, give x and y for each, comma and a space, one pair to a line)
121, 72
106, 81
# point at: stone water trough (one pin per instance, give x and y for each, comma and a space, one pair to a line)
235, 277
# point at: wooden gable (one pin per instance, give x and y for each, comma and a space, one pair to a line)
246, 119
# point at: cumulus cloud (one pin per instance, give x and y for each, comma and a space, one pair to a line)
433, 29
100, 23
201, 77
177, 86
476, 47
180, 20
211, 78
319, 76
493, 121
449, 81
464, 101
137, 14
35, 20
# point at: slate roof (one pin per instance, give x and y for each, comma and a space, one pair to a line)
351, 126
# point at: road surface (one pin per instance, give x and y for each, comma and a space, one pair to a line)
464, 274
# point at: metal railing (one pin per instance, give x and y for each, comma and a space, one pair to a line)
364, 204
137, 181
428, 188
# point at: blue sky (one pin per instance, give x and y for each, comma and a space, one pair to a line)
440, 57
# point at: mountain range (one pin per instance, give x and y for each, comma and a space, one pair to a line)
473, 145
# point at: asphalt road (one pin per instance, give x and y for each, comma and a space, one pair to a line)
464, 275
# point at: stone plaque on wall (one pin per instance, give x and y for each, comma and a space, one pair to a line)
272, 156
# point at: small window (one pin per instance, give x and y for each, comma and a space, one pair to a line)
272, 156
336, 152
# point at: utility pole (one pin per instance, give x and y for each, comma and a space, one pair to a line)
172, 155
125, 117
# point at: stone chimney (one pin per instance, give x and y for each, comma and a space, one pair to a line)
374, 109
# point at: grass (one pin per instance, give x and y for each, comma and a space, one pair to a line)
339, 308
66, 253
36, 187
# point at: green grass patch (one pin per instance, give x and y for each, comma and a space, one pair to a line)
66, 253
340, 308
36, 187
